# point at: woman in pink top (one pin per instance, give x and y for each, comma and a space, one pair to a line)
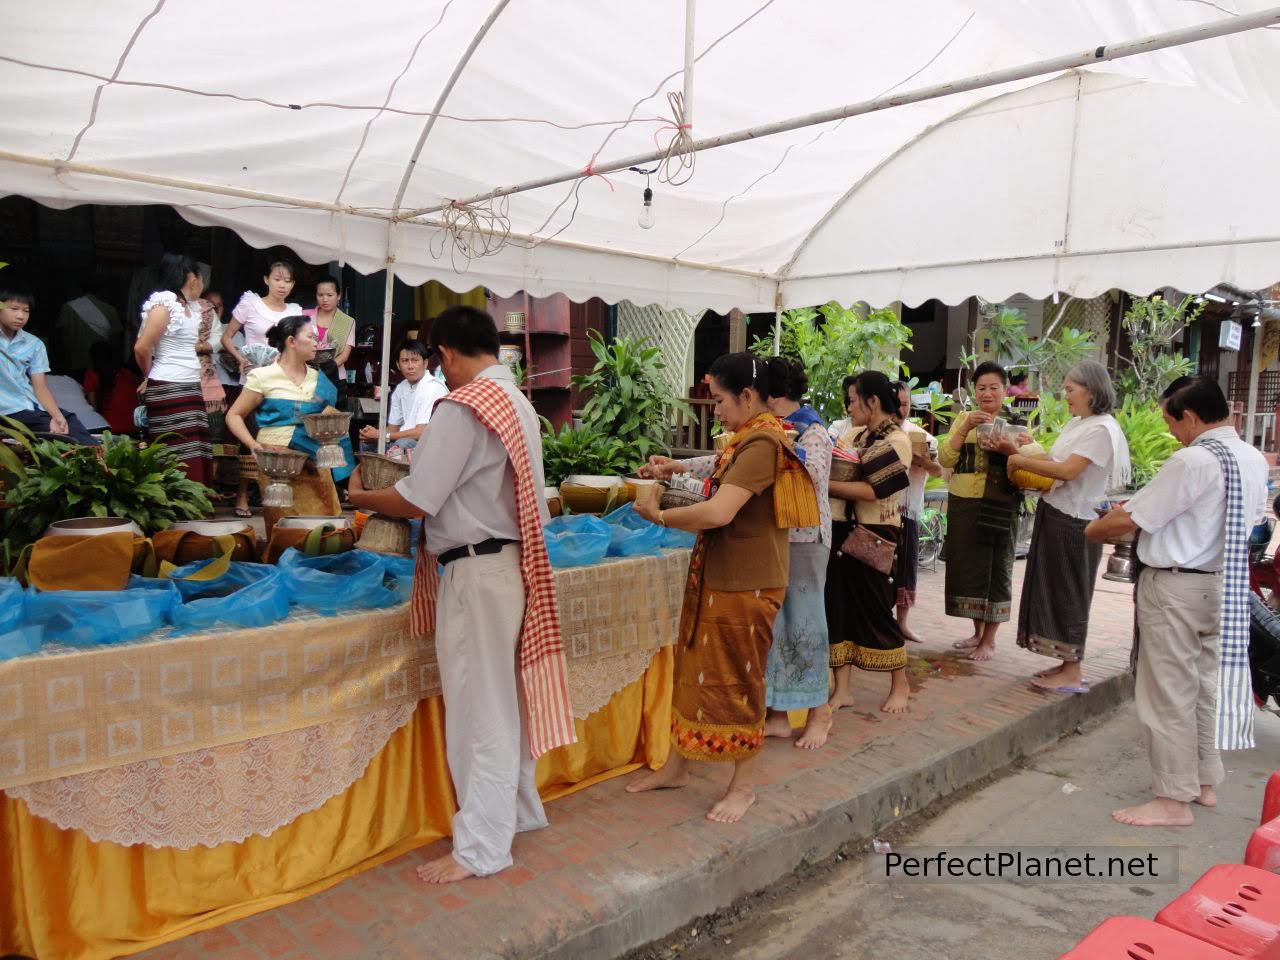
256, 315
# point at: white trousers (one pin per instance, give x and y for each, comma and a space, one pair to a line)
1176, 693
478, 616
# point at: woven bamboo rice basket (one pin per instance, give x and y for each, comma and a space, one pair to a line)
385, 535
378, 472
845, 471
676, 497
1030, 480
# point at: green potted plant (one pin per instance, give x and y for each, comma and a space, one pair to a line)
629, 400
55, 480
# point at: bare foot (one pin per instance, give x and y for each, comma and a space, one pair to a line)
908, 635
732, 806
816, 729
1208, 796
667, 777
1160, 812
1045, 674
443, 869
840, 700
778, 726
968, 643
897, 701
983, 651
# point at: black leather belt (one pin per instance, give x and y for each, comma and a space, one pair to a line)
1203, 573
481, 549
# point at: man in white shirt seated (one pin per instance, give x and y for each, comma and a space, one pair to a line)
1187, 539
411, 402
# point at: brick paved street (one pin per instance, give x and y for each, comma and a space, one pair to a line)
616, 870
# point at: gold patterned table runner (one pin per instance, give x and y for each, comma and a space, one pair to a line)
67, 711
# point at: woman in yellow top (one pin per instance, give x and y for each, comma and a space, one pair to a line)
281, 394
737, 578
982, 517
861, 600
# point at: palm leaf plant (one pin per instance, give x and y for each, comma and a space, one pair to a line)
58, 480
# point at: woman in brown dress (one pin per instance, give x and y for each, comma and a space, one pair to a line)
737, 579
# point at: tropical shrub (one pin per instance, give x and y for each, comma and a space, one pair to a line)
1152, 323
833, 342
629, 400
1150, 442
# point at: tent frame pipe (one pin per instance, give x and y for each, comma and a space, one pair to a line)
1103, 53
1251, 411
388, 298
690, 18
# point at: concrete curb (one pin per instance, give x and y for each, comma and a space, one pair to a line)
680, 891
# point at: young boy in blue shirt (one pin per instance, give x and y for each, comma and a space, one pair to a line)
24, 395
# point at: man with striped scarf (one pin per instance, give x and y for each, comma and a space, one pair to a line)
1192, 691
477, 482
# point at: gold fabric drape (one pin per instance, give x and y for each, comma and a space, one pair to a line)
63, 897
433, 297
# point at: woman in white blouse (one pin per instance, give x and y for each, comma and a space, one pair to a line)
175, 355
1089, 458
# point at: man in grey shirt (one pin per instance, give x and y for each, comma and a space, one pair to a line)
465, 486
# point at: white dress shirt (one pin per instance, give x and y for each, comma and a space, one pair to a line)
1182, 511
462, 479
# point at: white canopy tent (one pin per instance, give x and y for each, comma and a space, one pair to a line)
324, 126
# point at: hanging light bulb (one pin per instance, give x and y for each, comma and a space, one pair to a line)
646, 212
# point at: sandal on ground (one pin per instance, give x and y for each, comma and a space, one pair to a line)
1067, 688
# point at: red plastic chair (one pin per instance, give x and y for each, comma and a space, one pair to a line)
1132, 938
1263, 849
1232, 906
1271, 799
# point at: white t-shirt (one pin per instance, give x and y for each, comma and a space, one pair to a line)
914, 500
256, 318
1182, 511
1086, 437
412, 403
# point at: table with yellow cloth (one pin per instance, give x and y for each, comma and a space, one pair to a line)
162, 787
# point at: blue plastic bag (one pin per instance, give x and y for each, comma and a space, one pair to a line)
85, 618
632, 534
247, 595
337, 583
673, 539
397, 576
17, 638
577, 540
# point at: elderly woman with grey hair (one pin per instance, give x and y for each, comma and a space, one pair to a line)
1089, 458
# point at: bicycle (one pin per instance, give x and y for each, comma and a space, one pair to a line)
932, 526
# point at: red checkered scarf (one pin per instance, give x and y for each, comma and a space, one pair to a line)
542, 663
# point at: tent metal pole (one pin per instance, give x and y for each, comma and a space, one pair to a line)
1102, 53
1251, 411
388, 296
690, 18
777, 323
